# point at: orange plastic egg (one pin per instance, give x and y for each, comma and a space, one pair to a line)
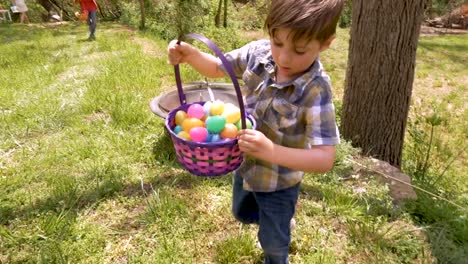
229, 131
190, 123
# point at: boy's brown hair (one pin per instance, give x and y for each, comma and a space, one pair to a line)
307, 19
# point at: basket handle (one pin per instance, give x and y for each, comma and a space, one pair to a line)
228, 68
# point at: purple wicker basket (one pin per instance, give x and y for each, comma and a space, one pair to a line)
214, 158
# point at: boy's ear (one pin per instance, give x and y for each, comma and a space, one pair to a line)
325, 45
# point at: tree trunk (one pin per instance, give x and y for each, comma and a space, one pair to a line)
225, 13
380, 74
142, 14
218, 14
429, 9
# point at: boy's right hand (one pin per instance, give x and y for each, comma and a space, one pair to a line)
179, 53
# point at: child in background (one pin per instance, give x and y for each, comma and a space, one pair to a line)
22, 8
288, 93
90, 7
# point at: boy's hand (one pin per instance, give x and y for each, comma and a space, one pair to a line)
256, 144
179, 53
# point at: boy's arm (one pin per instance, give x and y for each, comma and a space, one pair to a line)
204, 63
316, 159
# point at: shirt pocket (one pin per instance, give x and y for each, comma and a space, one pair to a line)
251, 80
283, 114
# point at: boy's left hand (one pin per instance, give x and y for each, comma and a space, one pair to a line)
256, 144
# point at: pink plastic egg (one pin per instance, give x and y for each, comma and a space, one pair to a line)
198, 134
196, 111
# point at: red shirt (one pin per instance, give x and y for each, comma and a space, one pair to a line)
88, 5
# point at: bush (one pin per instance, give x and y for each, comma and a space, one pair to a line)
345, 18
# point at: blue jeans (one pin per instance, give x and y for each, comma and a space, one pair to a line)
273, 212
92, 22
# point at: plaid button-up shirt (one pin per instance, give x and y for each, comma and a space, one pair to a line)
296, 114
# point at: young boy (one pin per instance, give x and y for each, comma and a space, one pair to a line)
289, 95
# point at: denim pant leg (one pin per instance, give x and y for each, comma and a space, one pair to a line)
244, 205
92, 22
275, 214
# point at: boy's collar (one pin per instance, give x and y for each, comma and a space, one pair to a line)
300, 82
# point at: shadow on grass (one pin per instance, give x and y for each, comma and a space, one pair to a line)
105, 181
15, 32
451, 51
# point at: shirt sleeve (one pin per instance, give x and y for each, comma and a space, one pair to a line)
239, 59
322, 128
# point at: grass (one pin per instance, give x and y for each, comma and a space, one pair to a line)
88, 174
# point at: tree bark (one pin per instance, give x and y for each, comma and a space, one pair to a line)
380, 74
142, 14
218, 14
225, 13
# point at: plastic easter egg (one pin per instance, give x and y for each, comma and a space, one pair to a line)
248, 124
231, 106
229, 131
232, 115
180, 116
217, 108
190, 123
177, 129
215, 124
184, 135
207, 107
215, 138
198, 134
196, 111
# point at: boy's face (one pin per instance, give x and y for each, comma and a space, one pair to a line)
293, 58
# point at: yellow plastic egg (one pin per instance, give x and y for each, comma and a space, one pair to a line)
217, 108
180, 116
184, 135
232, 115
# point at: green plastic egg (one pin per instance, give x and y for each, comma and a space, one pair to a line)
215, 123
